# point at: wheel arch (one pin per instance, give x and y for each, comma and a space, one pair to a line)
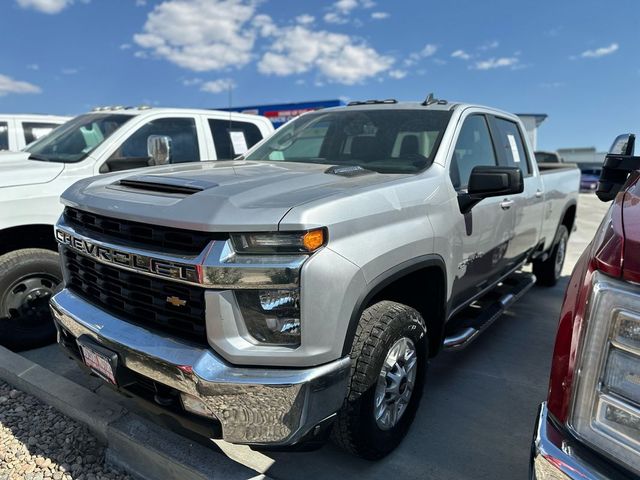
400, 284
569, 216
27, 236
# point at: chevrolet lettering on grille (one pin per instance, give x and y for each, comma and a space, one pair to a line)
127, 259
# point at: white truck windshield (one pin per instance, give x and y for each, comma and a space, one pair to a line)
74, 140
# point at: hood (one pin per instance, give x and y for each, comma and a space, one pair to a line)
215, 196
16, 169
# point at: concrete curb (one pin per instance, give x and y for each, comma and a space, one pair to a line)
142, 448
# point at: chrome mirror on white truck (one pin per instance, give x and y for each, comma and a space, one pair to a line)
159, 149
490, 181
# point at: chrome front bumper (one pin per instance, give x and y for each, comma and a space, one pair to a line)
555, 455
255, 406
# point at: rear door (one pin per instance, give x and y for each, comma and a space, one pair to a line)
485, 232
527, 206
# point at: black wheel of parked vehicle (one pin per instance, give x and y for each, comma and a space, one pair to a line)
28, 279
548, 272
389, 358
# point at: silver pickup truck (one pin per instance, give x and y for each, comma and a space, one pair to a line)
299, 291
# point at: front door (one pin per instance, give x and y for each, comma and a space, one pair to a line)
488, 228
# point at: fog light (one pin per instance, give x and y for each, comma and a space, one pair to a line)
194, 405
272, 317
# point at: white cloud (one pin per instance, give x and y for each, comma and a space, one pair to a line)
427, 51
9, 85
379, 15
218, 86
69, 71
461, 54
340, 10
600, 52
397, 74
202, 35
492, 63
141, 3
337, 57
489, 45
189, 82
305, 19
33, 66
45, 6
125, 46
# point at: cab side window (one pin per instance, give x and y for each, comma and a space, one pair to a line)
233, 138
34, 130
473, 148
4, 136
510, 142
133, 152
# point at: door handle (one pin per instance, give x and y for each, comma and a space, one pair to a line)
506, 204
538, 193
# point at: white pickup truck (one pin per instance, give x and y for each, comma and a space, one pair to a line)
106, 140
18, 131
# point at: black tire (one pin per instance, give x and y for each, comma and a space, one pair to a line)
548, 272
356, 429
28, 279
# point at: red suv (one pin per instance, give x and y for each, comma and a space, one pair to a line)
589, 427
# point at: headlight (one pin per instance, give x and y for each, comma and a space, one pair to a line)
606, 408
279, 242
271, 317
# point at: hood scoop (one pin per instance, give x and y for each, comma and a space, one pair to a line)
347, 170
170, 185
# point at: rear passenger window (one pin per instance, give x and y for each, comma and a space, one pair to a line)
232, 138
34, 130
4, 136
510, 141
473, 148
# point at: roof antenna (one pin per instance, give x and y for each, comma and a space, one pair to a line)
429, 100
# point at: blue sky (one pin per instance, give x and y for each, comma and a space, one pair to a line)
577, 61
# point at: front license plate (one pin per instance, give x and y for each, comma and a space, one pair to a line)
99, 363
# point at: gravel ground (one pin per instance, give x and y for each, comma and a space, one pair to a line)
37, 443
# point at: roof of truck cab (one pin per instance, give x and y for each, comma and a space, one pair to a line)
436, 106
183, 111
39, 116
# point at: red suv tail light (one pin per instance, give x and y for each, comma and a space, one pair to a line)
595, 376
605, 254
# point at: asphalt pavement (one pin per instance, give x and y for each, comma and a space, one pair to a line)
477, 414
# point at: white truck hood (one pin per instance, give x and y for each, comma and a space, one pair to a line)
16, 169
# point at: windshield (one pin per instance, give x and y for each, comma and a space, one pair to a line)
385, 140
74, 140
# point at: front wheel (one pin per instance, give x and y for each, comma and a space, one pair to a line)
387, 376
28, 279
548, 272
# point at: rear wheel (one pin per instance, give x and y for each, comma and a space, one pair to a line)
28, 279
387, 377
548, 272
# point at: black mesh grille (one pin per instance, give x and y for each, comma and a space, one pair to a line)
138, 298
159, 237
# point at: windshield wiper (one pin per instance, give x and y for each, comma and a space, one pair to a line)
35, 156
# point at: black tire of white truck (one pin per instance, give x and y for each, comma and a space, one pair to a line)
549, 271
384, 328
28, 279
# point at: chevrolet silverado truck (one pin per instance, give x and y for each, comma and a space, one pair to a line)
108, 139
589, 427
298, 292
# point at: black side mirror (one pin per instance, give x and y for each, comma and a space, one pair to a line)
490, 181
617, 166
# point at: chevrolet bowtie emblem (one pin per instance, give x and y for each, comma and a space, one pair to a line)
176, 301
